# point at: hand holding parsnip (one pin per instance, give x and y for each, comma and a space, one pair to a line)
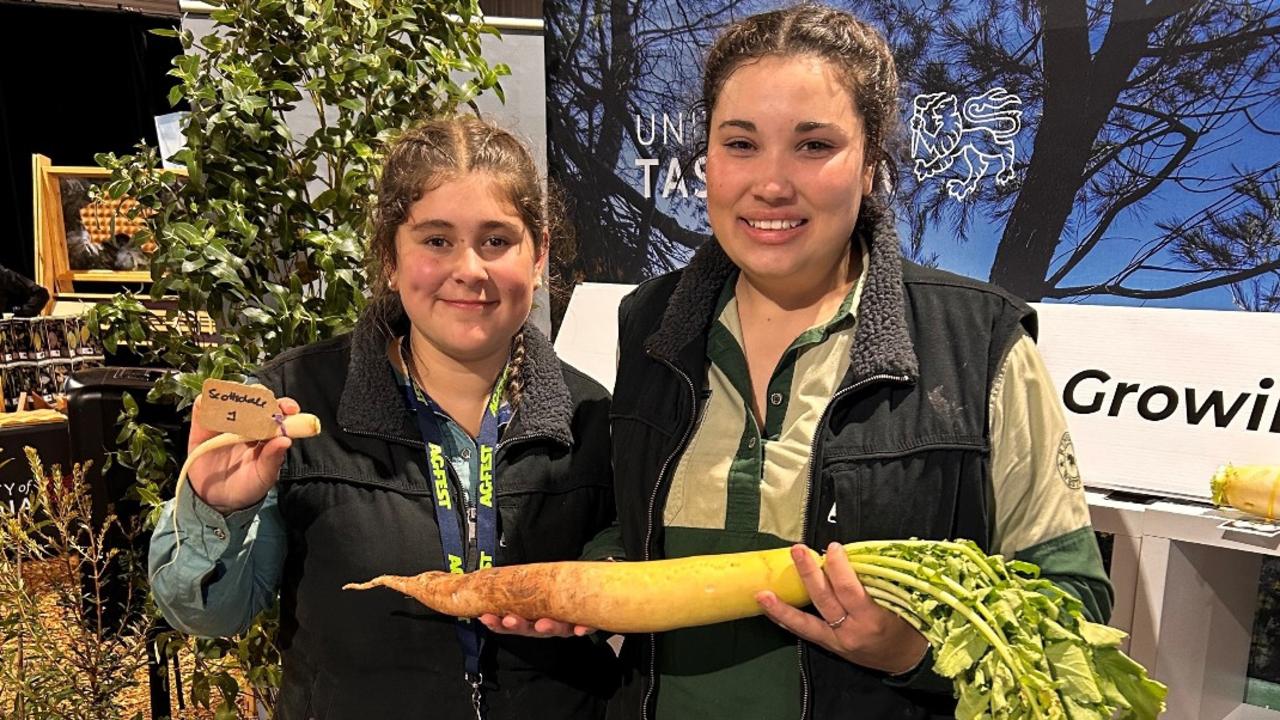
230, 472
1014, 645
536, 628
847, 621
234, 472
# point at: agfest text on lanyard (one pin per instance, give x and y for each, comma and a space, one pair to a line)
481, 515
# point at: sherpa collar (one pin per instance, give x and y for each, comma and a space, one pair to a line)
881, 345
371, 390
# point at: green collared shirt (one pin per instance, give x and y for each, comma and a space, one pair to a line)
738, 487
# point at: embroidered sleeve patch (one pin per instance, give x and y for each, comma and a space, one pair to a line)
1068, 470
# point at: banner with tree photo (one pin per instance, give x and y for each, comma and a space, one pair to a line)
1124, 152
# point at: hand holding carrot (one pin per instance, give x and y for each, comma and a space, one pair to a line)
849, 622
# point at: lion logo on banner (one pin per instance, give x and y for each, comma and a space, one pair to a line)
978, 132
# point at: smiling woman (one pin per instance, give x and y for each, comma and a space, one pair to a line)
799, 382
455, 440
466, 267
787, 170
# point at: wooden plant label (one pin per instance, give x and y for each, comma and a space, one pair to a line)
247, 410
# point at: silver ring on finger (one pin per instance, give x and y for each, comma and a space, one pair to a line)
836, 625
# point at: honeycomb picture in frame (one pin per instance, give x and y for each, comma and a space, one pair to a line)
80, 239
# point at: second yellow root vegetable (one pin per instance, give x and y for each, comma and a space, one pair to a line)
1254, 489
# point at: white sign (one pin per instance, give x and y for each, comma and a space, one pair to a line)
171, 138
1156, 399
588, 336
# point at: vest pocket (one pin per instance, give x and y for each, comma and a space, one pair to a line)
933, 494
545, 527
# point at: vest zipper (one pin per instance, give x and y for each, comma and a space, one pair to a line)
466, 513
389, 438
471, 532
801, 653
648, 537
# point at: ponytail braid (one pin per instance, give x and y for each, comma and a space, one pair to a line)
515, 372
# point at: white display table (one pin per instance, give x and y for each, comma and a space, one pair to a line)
1186, 590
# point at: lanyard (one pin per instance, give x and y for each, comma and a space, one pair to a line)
481, 515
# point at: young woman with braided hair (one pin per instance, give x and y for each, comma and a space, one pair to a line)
453, 439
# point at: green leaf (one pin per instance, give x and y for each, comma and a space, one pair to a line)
1071, 667
1077, 711
960, 651
257, 315
1144, 695
975, 702
324, 200
1098, 635
1111, 693
1002, 608
148, 495
1051, 630
1023, 568
1003, 688
251, 104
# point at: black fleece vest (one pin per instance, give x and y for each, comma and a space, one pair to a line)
356, 503
903, 450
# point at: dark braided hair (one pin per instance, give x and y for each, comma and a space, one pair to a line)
515, 381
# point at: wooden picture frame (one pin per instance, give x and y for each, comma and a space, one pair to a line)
94, 245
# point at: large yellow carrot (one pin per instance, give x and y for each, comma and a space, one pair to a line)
619, 597
1012, 643
1251, 488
